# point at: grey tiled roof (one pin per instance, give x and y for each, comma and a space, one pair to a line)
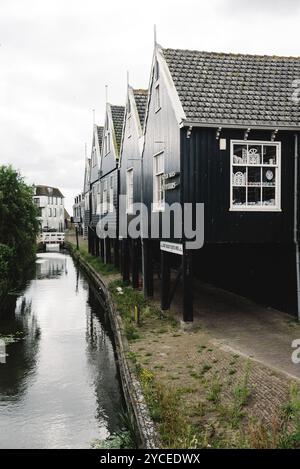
48, 191
140, 97
100, 135
117, 113
235, 88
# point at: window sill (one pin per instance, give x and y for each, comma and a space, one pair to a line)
255, 209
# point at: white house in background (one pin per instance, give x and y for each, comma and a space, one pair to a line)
50, 202
78, 212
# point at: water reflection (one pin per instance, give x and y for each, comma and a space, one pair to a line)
59, 387
21, 325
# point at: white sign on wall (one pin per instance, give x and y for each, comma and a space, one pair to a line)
175, 248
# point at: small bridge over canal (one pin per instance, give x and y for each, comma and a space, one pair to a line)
52, 240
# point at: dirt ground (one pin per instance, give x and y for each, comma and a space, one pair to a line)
207, 379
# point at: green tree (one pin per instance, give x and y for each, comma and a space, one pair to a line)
18, 228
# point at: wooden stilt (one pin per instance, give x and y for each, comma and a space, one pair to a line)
134, 264
116, 253
125, 261
187, 277
165, 280
102, 249
97, 247
107, 250
89, 240
147, 268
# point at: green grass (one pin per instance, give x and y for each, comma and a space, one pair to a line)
93, 261
164, 405
127, 301
214, 392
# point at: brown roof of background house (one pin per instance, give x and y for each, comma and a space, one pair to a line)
48, 191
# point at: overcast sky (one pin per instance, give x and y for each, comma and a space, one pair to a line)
57, 56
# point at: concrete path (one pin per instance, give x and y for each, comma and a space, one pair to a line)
237, 324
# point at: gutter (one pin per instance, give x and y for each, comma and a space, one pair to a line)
227, 125
296, 242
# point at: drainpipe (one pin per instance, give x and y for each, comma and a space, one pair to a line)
296, 242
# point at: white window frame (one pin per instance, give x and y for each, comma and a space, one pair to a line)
94, 199
129, 123
129, 190
94, 157
158, 203
104, 199
111, 193
107, 142
98, 198
276, 167
157, 97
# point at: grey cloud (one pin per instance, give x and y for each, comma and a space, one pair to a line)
259, 7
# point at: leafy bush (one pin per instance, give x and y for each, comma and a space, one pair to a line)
18, 228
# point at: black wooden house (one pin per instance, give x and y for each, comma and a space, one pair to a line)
95, 173
130, 179
108, 186
223, 130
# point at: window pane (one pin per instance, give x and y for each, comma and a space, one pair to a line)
254, 176
269, 154
239, 154
268, 196
159, 159
254, 154
239, 196
239, 176
254, 196
269, 176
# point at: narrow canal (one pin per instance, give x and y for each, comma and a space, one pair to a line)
59, 387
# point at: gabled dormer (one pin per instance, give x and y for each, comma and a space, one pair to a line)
132, 145
134, 117
87, 176
112, 135
96, 153
161, 152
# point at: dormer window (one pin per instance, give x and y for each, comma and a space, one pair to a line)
157, 98
129, 125
156, 71
94, 157
106, 142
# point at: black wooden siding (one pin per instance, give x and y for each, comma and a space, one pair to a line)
131, 158
207, 179
111, 217
162, 133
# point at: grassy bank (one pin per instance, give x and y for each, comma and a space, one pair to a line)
199, 395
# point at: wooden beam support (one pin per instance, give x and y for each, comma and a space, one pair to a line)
102, 254
116, 252
147, 268
134, 263
125, 261
97, 247
187, 277
107, 250
165, 280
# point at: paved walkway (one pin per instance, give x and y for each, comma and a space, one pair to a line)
239, 325
70, 236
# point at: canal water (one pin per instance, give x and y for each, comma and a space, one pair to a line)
59, 387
